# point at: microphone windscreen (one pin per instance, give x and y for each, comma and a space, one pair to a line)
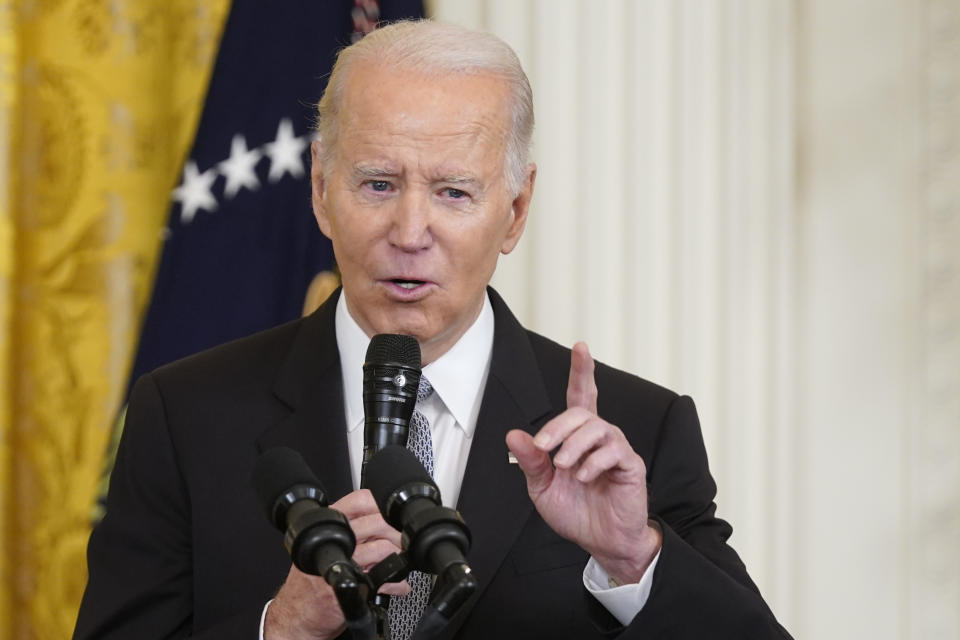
392, 348
278, 470
390, 469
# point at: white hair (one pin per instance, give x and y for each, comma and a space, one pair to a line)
437, 48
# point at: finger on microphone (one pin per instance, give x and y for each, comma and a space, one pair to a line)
370, 553
373, 527
581, 386
356, 504
395, 588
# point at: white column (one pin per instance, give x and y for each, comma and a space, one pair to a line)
879, 378
933, 442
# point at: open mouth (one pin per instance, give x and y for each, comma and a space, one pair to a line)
407, 284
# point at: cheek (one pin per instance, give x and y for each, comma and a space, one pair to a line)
479, 240
349, 258
352, 239
476, 262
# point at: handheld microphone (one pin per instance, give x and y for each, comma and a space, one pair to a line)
391, 378
435, 537
319, 539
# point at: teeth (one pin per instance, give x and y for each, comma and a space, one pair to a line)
408, 285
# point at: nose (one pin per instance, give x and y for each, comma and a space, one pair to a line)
410, 229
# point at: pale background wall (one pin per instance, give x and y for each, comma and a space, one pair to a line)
757, 202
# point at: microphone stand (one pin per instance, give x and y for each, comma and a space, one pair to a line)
350, 587
455, 586
379, 604
393, 568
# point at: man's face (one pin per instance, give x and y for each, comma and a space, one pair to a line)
416, 201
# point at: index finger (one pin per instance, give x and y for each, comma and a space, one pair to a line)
581, 386
356, 504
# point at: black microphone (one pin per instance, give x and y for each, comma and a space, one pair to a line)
319, 539
435, 537
391, 378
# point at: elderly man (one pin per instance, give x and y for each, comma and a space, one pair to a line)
421, 180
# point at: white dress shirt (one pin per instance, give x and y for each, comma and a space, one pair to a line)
458, 377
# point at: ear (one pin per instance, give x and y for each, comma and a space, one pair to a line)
521, 207
318, 187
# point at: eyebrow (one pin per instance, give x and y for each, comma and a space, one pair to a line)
374, 171
458, 179
390, 171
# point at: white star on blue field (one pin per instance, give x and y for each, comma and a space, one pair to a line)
195, 192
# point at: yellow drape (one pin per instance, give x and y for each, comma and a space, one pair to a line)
98, 104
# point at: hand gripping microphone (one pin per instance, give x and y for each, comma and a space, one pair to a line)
319, 539
391, 377
435, 538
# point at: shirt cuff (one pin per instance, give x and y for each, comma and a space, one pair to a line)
624, 602
263, 617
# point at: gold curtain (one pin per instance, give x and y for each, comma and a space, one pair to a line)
99, 100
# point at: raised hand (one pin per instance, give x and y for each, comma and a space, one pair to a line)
594, 491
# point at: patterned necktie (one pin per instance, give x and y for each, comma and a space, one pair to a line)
405, 611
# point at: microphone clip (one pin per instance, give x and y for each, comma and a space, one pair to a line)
394, 568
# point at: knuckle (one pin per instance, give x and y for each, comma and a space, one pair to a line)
586, 471
366, 527
385, 547
581, 413
365, 499
641, 465
372, 551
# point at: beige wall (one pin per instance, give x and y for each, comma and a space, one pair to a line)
757, 202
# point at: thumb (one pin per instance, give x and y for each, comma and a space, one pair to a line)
581, 386
535, 464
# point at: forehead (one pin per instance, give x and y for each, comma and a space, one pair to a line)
446, 119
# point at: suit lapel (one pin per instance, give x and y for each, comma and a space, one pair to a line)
493, 498
310, 383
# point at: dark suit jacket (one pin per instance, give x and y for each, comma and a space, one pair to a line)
186, 549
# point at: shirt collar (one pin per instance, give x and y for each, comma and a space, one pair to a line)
458, 376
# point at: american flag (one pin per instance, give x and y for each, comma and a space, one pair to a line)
241, 244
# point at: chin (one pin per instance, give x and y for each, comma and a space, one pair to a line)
403, 322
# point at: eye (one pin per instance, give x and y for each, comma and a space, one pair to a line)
455, 194
379, 185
